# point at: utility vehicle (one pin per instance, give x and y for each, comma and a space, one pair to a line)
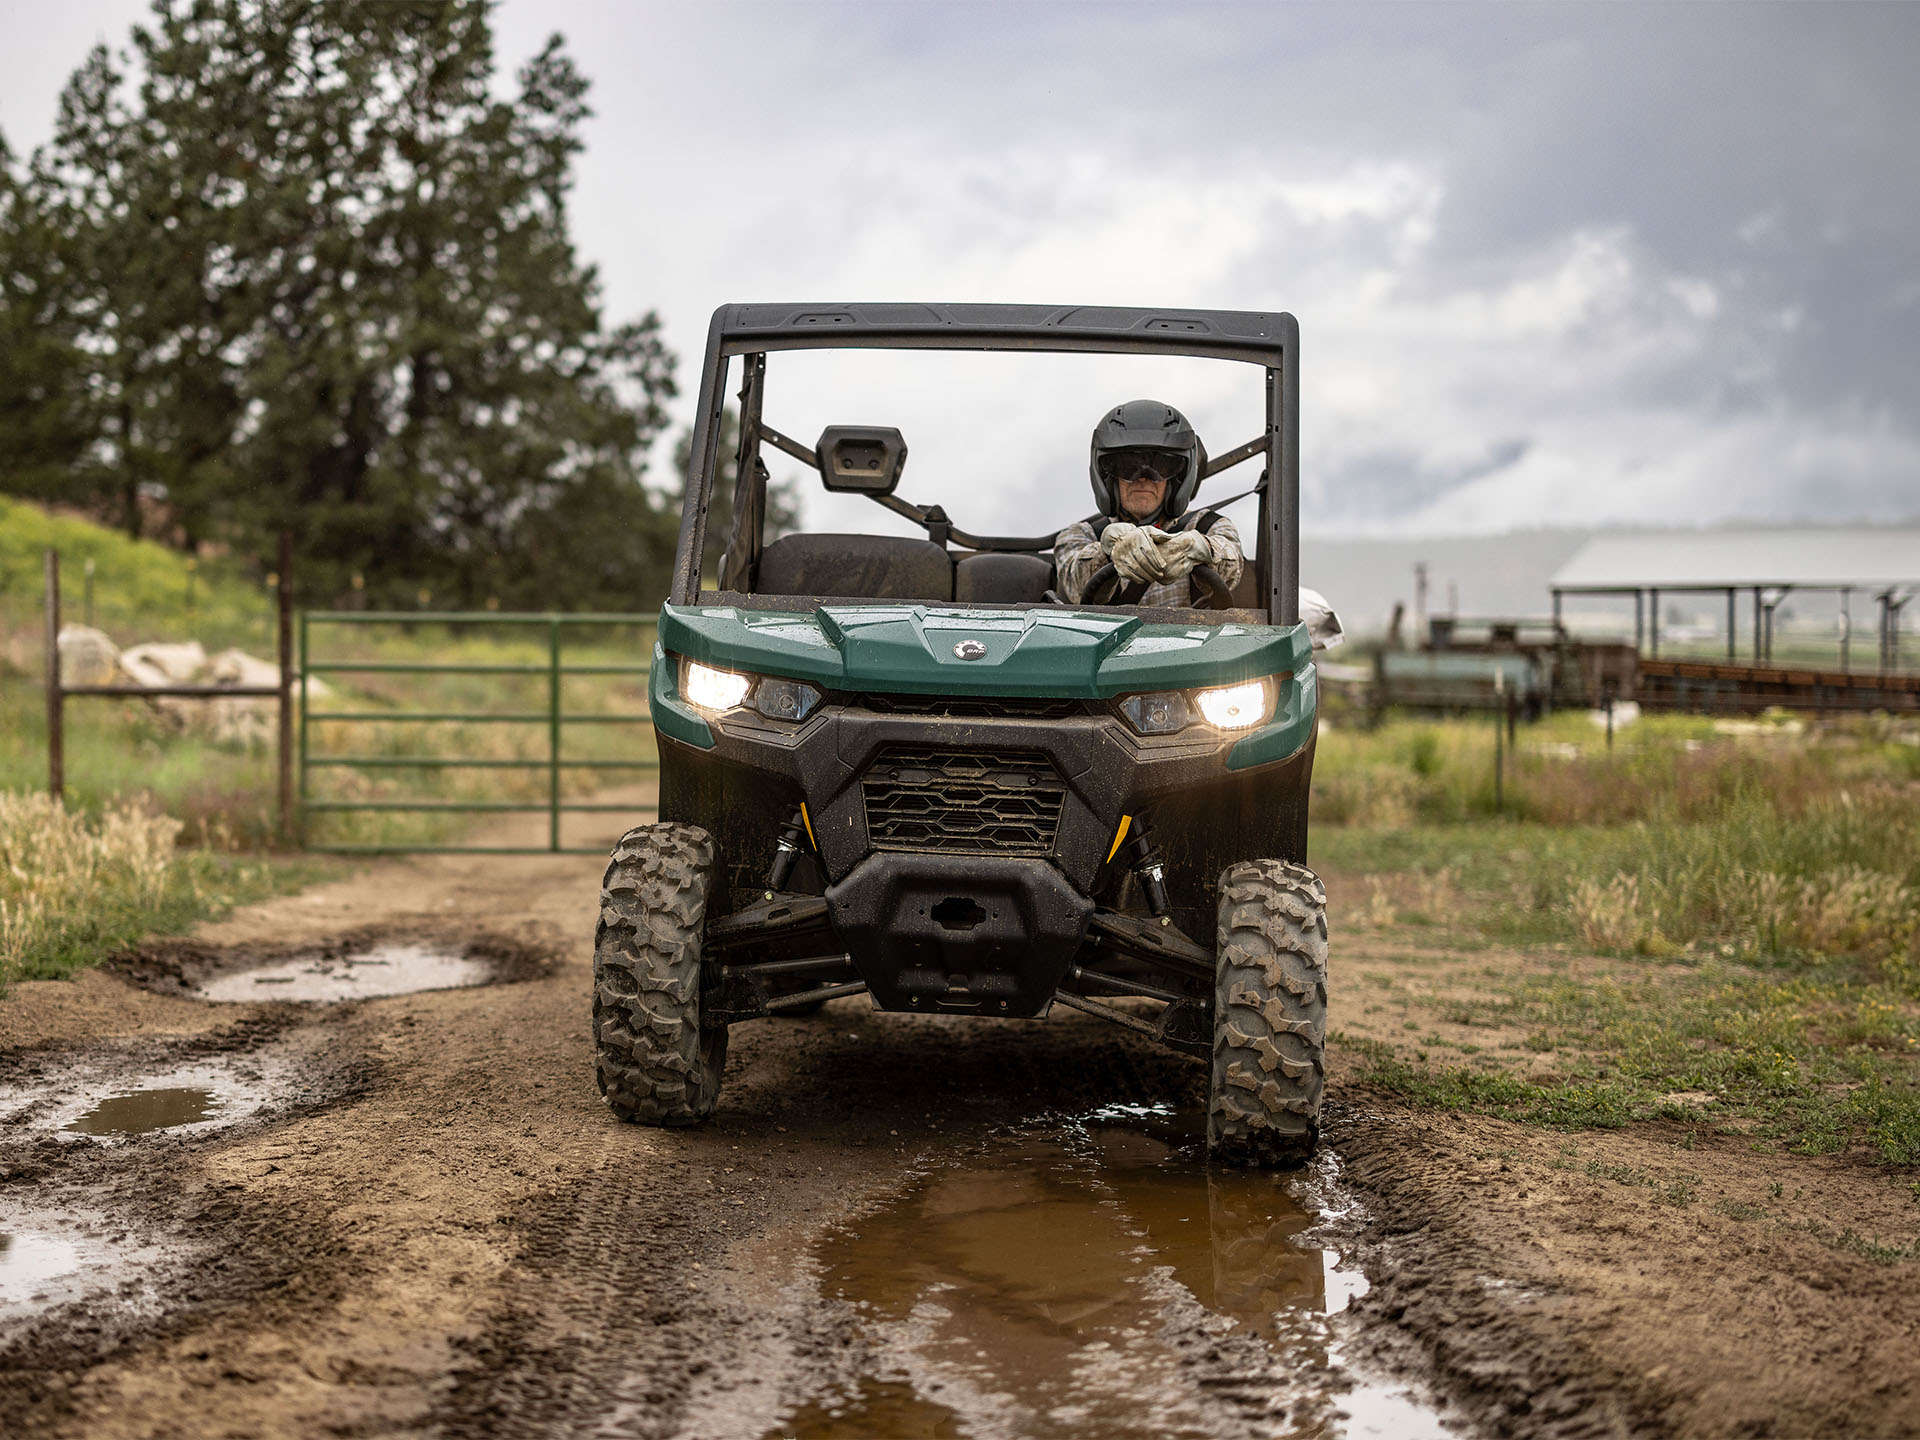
901, 766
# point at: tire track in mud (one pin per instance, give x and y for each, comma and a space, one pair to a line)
624, 1306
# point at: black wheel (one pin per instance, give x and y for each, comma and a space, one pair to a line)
1269, 1016
654, 1061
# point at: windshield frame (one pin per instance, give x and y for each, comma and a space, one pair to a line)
750, 332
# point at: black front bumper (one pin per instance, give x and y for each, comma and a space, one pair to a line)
989, 927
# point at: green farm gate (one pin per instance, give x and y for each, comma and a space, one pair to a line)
560, 632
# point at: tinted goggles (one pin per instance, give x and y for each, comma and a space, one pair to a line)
1120, 466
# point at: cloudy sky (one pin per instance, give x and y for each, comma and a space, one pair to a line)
1554, 264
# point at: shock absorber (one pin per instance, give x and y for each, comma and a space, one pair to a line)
786, 850
1151, 872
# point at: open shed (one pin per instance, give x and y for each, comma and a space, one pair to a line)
1881, 565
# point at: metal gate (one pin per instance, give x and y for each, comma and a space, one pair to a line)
554, 717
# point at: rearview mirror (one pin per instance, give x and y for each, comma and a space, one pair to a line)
861, 459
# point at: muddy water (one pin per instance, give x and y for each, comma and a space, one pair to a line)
141, 1112
1097, 1280
390, 969
32, 1259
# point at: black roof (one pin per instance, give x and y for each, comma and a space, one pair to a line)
1259, 337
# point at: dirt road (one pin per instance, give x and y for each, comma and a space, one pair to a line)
413, 1215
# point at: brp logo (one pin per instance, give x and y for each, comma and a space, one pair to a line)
970, 650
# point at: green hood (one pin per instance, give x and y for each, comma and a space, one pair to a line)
910, 648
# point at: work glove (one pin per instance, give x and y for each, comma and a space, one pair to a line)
1133, 552
1180, 553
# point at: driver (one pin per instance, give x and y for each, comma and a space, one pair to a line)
1146, 463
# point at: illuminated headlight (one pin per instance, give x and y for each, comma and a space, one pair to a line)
706, 688
1159, 713
1234, 707
779, 699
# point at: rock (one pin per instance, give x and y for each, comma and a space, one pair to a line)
88, 656
161, 663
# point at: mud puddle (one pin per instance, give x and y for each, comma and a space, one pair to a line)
48, 1259
1099, 1279
141, 1112
362, 965
109, 1100
395, 968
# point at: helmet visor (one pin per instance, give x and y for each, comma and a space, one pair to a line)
1120, 466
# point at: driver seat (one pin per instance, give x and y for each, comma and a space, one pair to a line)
1001, 579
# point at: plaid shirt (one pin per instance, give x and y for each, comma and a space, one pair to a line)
1078, 557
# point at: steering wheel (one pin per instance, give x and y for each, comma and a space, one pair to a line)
1214, 594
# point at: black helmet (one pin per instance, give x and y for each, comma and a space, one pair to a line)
1149, 428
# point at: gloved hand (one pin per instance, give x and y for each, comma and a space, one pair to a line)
1180, 553
1133, 552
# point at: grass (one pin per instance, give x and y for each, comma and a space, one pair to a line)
73, 889
1749, 897
198, 813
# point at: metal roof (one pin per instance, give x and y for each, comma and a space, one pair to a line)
1814, 559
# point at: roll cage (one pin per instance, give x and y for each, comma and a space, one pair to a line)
753, 331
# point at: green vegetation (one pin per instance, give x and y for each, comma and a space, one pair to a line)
73, 889
304, 265
142, 590
1716, 925
135, 770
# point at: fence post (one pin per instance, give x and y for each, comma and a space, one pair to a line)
553, 733
285, 738
303, 730
56, 696
1499, 736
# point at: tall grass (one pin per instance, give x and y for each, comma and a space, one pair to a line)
72, 887
1769, 840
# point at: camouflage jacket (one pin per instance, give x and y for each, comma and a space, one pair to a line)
1078, 557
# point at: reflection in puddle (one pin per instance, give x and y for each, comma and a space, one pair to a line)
140, 1112
50, 1259
392, 969
1101, 1281
30, 1260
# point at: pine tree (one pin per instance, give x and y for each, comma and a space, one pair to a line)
44, 414
328, 279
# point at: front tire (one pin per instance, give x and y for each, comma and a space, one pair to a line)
1270, 1016
655, 1062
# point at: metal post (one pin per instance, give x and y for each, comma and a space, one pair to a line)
1609, 720
1733, 625
285, 737
1846, 622
553, 732
1756, 624
1499, 753
305, 658
56, 697
1653, 619
1639, 622
1287, 477
1557, 626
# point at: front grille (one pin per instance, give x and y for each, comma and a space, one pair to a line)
974, 707
962, 802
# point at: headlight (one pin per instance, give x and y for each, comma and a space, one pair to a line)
1234, 707
779, 699
706, 688
1159, 713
